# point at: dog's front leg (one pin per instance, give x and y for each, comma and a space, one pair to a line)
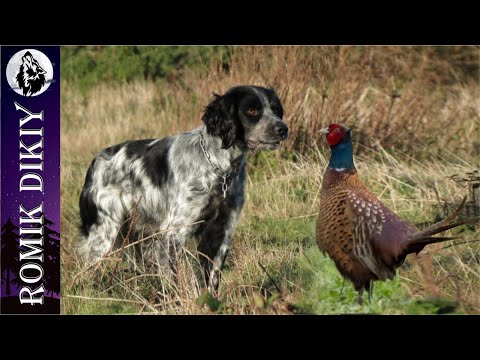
217, 265
214, 245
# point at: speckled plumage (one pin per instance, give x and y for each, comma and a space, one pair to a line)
350, 226
366, 240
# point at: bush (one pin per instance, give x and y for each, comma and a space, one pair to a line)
86, 66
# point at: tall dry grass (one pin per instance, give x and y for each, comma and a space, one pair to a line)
404, 98
415, 122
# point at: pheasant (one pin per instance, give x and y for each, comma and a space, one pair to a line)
366, 240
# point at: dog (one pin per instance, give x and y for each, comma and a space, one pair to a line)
197, 177
31, 76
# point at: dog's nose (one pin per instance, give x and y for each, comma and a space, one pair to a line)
281, 129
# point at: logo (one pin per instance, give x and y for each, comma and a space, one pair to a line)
29, 72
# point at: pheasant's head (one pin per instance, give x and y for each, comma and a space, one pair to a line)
336, 133
339, 138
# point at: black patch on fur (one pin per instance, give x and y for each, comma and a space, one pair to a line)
112, 150
138, 147
275, 103
211, 235
155, 160
137, 183
88, 208
221, 119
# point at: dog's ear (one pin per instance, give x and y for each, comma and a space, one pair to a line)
221, 119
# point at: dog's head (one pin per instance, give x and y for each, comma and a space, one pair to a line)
250, 116
31, 76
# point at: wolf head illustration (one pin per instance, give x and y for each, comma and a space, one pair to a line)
31, 76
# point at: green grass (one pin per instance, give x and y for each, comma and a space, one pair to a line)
275, 265
327, 293
323, 289
89, 307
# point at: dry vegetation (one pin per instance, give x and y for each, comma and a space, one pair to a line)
416, 122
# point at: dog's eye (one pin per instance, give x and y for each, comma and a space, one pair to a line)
251, 112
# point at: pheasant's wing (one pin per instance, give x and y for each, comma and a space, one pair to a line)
367, 218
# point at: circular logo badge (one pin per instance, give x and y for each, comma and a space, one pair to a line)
29, 72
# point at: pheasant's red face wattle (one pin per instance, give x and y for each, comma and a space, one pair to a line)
335, 135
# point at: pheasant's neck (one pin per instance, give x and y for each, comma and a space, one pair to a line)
342, 157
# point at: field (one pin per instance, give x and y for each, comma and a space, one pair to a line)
415, 118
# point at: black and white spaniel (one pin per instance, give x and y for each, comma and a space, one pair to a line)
197, 177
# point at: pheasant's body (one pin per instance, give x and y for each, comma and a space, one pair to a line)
362, 236
366, 240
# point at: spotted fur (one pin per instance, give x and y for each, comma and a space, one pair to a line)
171, 184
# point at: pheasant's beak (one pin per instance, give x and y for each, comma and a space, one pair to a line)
324, 131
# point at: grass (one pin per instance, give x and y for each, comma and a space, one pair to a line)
407, 151
276, 232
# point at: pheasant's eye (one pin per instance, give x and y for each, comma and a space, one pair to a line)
337, 130
251, 112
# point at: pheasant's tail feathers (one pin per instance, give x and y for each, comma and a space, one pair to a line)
418, 246
437, 239
425, 237
433, 230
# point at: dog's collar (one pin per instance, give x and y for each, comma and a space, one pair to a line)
223, 175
